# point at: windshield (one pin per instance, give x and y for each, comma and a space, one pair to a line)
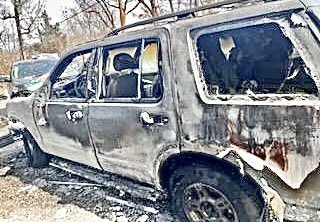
32, 68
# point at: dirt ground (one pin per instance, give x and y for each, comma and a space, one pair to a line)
32, 195
23, 202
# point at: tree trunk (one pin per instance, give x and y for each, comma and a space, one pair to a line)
122, 13
17, 10
153, 8
171, 6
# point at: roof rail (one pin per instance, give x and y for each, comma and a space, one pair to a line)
179, 15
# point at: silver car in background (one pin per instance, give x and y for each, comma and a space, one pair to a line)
28, 76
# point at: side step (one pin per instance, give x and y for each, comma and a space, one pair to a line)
131, 187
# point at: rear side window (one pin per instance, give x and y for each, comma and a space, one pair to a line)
132, 71
257, 59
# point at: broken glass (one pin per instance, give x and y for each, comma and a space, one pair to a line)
253, 60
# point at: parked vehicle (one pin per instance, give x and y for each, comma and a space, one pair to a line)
219, 109
27, 76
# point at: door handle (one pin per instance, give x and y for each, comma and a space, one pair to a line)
74, 115
149, 120
42, 122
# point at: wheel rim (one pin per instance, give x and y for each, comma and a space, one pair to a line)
204, 203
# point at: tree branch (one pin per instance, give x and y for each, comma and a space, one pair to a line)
5, 17
146, 6
133, 8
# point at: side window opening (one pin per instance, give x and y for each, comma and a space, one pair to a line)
253, 60
73, 75
131, 71
150, 71
121, 72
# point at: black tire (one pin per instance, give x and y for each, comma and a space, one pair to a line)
35, 156
214, 193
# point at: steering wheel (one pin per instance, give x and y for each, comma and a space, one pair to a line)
80, 86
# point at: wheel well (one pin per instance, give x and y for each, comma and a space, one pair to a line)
246, 183
190, 158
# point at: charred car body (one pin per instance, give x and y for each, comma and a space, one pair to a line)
222, 110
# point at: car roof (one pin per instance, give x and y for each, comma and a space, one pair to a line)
189, 17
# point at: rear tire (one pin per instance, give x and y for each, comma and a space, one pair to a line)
204, 193
35, 156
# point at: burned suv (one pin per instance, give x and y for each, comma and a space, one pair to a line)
218, 106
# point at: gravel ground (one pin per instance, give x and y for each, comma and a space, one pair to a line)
28, 194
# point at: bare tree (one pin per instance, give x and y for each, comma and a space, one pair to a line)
51, 38
122, 7
110, 11
25, 14
171, 5
98, 9
151, 7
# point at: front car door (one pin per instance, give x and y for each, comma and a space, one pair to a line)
134, 117
62, 118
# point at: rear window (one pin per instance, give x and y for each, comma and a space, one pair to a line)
257, 59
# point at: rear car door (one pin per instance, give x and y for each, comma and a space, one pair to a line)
262, 94
62, 120
134, 118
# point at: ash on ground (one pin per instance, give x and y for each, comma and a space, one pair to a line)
52, 194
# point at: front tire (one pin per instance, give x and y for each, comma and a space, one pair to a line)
203, 193
35, 156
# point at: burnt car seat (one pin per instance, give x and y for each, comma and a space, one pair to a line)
123, 83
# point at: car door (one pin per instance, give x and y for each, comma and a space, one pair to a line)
62, 118
134, 117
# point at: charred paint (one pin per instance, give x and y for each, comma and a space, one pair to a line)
269, 133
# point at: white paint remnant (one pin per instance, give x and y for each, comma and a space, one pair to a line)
4, 170
274, 199
116, 209
241, 166
122, 219
299, 167
298, 20
142, 218
121, 193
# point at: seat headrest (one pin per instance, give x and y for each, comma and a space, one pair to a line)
123, 61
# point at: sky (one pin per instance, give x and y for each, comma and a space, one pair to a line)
56, 7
